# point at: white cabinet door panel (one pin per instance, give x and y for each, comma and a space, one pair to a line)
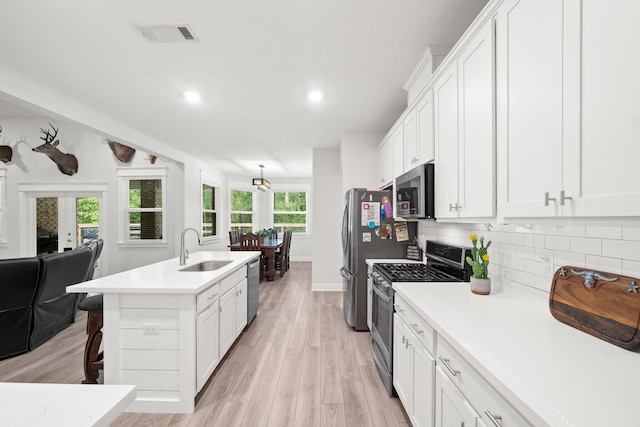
241, 306
530, 77
227, 321
605, 166
477, 148
207, 354
452, 409
424, 112
445, 93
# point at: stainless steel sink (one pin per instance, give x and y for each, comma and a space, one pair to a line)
206, 266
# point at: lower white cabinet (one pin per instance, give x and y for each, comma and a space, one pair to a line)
477, 393
413, 368
241, 306
452, 408
207, 354
233, 315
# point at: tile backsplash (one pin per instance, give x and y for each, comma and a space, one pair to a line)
529, 254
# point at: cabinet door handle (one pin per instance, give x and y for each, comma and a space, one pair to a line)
415, 328
563, 198
495, 419
446, 363
547, 199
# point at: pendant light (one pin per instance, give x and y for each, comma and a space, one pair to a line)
261, 183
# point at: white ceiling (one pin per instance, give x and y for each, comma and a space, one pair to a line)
253, 63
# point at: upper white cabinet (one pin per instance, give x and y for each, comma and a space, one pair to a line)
600, 166
385, 163
464, 131
418, 132
397, 136
530, 88
568, 124
445, 95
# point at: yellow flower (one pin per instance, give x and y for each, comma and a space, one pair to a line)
473, 237
485, 257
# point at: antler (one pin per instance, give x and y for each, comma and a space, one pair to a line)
48, 138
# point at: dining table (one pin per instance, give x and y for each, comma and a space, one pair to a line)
268, 248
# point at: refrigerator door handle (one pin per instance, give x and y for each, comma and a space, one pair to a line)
344, 273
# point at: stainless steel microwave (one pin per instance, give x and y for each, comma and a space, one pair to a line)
414, 193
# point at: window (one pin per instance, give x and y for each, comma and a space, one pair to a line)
290, 211
3, 238
143, 195
209, 213
242, 210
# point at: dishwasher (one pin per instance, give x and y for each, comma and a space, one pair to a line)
253, 291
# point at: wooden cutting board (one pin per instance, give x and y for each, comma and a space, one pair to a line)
602, 304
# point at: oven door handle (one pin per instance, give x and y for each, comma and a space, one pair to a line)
382, 296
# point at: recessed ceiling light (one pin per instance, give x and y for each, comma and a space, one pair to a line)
315, 96
191, 96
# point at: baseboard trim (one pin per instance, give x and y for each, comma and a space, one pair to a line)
326, 287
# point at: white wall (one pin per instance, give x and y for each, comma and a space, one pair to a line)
328, 200
359, 160
519, 252
97, 165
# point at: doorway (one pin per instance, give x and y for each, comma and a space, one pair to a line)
58, 221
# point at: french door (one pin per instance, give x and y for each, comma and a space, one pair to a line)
58, 221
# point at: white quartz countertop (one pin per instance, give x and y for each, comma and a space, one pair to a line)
166, 277
551, 372
62, 405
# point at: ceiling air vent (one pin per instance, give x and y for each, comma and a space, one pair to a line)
171, 33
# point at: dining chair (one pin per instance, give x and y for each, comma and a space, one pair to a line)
251, 242
282, 257
234, 236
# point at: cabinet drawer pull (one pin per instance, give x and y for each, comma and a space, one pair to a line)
415, 328
399, 309
446, 364
547, 199
212, 297
495, 419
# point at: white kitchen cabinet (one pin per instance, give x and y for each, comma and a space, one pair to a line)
207, 352
600, 161
385, 163
397, 137
464, 123
241, 306
418, 132
568, 123
445, 95
476, 391
402, 372
233, 314
452, 408
424, 115
411, 149
530, 98
413, 364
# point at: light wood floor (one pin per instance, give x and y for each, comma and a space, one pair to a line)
297, 364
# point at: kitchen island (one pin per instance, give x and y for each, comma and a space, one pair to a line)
165, 330
508, 346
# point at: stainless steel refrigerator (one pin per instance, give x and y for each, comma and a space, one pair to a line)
368, 232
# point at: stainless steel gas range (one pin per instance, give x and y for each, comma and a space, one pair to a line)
444, 263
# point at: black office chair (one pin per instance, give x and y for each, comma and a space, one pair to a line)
18, 282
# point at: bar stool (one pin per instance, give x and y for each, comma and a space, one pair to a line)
92, 356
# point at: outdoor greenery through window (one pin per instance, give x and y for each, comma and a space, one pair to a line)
209, 215
290, 211
145, 209
242, 211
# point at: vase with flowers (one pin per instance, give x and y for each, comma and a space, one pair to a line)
479, 261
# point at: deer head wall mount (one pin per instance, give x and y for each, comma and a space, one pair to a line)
67, 163
6, 152
122, 152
